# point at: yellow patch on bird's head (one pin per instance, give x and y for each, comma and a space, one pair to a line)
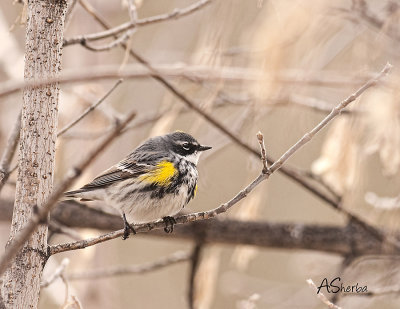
161, 175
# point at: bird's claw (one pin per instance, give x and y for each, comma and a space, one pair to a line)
169, 224
127, 228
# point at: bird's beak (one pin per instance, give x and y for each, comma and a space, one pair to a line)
203, 148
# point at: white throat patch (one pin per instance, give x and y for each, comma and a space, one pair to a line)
194, 157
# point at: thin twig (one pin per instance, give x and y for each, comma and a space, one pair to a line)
74, 299
175, 14
42, 212
9, 152
70, 11
59, 228
110, 45
314, 104
135, 71
13, 169
225, 102
89, 109
195, 258
148, 119
58, 272
140, 228
260, 138
190, 72
172, 259
132, 11
320, 180
321, 296
335, 111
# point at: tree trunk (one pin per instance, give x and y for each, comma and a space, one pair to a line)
44, 38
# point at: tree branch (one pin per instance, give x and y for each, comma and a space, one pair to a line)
9, 152
57, 273
89, 109
321, 296
242, 194
347, 240
335, 111
175, 14
195, 259
41, 213
192, 72
172, 259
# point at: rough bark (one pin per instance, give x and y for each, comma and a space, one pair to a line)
44, 37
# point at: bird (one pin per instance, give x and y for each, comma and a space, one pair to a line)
155, 181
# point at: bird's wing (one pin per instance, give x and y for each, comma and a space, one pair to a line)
121, 171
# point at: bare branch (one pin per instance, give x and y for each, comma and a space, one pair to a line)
70, 11
172, 259
338, 240
89, 109
152, 117
321, 296
77, 120
336, 111
175, 14
191, 72
242, 194
9, 152
118, 40
58, 272
41, 214
195, 258
313, 103
56, 227
110, 45
132, 10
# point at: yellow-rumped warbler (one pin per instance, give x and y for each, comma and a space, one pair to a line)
155, 181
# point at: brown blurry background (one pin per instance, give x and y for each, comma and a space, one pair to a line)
295, 61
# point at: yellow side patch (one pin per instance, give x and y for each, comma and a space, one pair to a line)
195, 190
161, 175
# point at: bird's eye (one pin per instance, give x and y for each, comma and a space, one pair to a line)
186, 146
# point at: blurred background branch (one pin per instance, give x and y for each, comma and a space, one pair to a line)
349, 240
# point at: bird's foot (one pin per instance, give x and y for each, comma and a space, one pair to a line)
127, 228
169, 224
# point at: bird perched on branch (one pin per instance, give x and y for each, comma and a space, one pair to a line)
155, 181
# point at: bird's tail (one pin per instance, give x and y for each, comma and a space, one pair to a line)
74, 193
83, 194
